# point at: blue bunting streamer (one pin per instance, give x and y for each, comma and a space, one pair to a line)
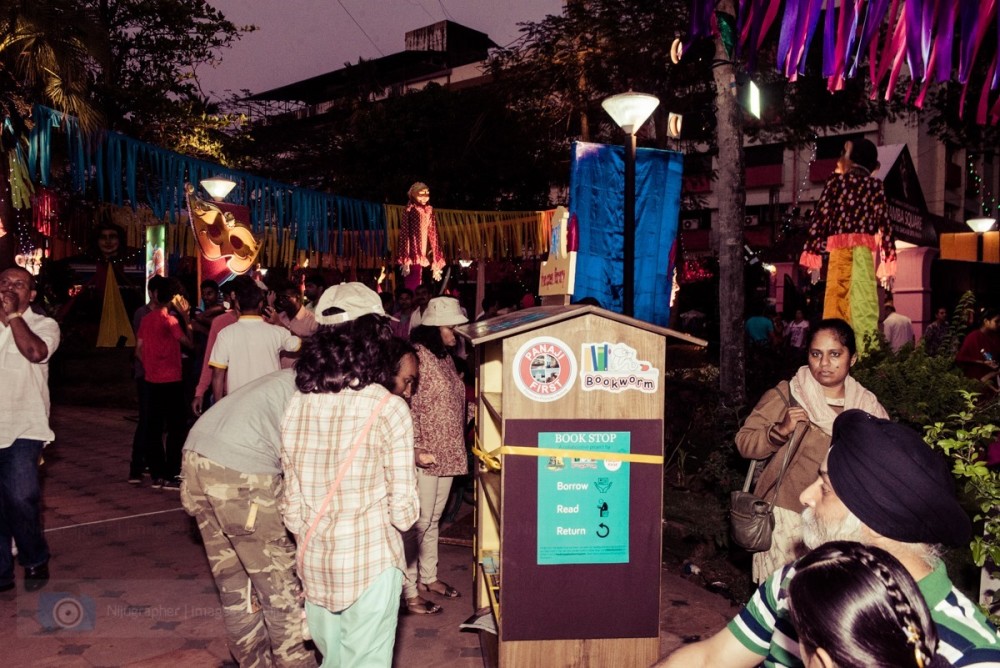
124, 171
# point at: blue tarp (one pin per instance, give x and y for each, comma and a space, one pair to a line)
597, 193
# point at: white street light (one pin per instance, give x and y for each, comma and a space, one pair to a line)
981, 225
218, 187
630, 110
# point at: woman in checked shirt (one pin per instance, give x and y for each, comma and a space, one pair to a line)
342, 424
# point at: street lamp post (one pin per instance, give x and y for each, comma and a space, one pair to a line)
629, 111
218, 187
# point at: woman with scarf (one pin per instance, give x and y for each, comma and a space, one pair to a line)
816, 395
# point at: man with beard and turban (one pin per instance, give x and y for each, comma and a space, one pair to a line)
879, 485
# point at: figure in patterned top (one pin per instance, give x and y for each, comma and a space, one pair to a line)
418, 237
851, 223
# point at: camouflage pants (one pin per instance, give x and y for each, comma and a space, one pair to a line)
252, 560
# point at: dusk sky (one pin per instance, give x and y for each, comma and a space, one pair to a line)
298, 39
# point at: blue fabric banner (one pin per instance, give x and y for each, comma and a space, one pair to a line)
597, 194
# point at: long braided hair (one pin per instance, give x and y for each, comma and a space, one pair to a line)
860, 604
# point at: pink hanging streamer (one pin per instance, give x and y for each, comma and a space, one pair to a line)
879, 67
975, 40
984, 96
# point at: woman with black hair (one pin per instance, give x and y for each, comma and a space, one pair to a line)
819, 391
856, 606
347, 457
438, 408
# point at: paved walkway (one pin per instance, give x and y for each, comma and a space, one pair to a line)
131, 585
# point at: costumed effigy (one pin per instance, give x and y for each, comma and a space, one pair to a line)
851, 223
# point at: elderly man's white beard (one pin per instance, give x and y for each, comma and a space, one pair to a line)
815, 533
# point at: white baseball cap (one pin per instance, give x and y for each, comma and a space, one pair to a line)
347, 301
443, 312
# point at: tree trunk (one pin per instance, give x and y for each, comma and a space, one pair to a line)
729, 225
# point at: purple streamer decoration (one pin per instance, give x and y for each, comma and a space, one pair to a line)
757, 12
914, 47
813, 18
743, 8
996, 73
969, 13
701, 18
874, 16
945, 39
789, 23
829, 39
927, 31
852, 8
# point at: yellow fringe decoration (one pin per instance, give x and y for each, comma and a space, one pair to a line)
472, 235
482, 235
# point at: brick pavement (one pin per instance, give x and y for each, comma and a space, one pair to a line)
131, 585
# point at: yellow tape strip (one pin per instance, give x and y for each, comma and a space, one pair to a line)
490, 461
579, 454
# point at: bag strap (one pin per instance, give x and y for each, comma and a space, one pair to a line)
341, 472
749, 480
793, 445
789, 402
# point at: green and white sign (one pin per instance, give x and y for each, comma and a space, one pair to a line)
583, 502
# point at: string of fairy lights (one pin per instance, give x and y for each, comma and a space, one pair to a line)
987, 198
793, 215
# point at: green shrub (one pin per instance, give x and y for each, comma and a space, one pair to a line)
915, 388
964, 438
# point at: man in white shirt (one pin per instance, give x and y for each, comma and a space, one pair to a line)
249, 348
27, 342
898, 329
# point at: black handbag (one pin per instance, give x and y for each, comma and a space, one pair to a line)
751, 518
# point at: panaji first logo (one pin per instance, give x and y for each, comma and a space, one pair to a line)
544, 369
615, 367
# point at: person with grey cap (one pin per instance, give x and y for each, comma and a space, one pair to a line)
879, 485
439, 409
232, 485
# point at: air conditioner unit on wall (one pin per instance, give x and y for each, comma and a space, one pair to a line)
751, 221
690, 224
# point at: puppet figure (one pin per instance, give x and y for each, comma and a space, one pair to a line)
851, 223
418, 237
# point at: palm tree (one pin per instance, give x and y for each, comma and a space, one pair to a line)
50, 51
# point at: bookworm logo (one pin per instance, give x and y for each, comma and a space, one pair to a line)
544, 369
614, 367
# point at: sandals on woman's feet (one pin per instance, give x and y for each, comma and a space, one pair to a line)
420, 606
446, 590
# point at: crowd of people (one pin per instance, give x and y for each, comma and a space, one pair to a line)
318, 488
777, 340
329, 434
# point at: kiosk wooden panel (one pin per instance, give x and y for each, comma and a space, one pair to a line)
567, 551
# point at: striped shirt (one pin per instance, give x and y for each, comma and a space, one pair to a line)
358, 536
966, 639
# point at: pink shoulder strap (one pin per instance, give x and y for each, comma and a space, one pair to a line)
341, 472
